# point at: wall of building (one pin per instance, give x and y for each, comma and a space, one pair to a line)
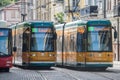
47, 9
10, 14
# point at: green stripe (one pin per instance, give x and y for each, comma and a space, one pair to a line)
98, 22
42, 64
98, 65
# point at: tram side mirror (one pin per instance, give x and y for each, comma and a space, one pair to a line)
115, 34
55, 36
14, 49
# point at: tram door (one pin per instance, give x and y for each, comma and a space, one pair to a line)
26, 47
81, 45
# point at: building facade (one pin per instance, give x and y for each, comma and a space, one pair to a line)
27, 9
20, 11
71, 10
115, 9
31, 9
10, 14
48, 9
89, 9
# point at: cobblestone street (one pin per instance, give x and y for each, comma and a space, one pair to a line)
59, 74
23, 74
20, 74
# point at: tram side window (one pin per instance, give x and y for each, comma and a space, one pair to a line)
65, 44
81, 46
25, 42
72, 43
59, 44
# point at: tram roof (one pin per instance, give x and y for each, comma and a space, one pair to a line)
100, 22
35, 23
71, 24
41, 23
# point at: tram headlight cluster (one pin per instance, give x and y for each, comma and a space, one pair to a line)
8, 62
51, 54
43, 54
33, 55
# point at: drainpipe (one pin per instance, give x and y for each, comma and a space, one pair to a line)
104, 10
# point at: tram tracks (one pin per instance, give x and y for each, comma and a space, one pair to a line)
91, 75
75, 78
69, 74
102, 75
66, 74
57, 75
43, 77
106, 74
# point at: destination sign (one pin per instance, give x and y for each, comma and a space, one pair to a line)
42, 35
3, 32
41, 30
99, 28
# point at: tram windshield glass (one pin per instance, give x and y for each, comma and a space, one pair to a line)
4, 42
42, 39
99, 38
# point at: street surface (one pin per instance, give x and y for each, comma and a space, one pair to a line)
59, 74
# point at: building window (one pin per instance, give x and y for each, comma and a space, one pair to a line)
119, 1
96, 2
91, 2
86, 2
12, 14
114, 2
109, 5
74, 3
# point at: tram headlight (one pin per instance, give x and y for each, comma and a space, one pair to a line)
33, 55
79, 54
8, 62
42, 54
50, 54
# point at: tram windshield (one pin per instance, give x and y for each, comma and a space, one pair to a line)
4, 42
42, 39
99, 38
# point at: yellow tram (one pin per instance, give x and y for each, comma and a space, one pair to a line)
35, 43
87, 44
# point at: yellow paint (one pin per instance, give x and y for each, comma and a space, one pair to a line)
81, 30
95, 56
39, 56
82, 4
